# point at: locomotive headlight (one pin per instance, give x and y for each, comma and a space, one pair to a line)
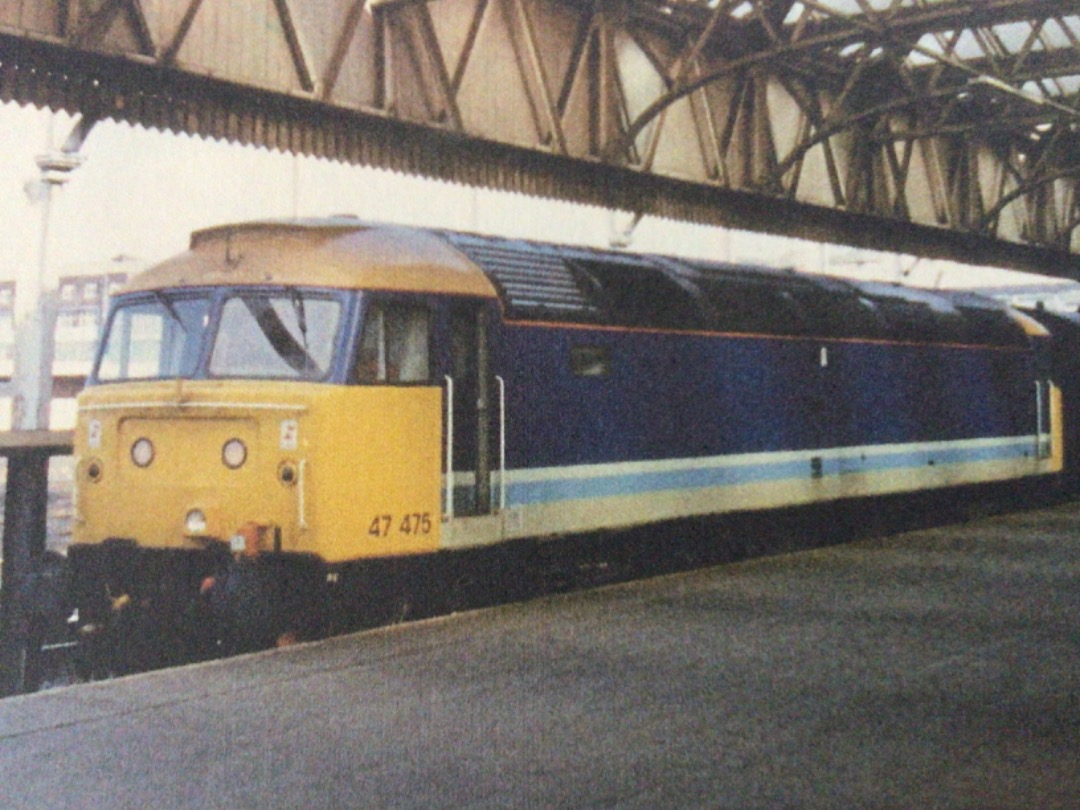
195, 522
142, 452
94, 470
234, 454
287, 473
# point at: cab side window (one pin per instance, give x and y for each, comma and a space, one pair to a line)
394, 345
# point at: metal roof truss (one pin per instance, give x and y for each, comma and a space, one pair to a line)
812, 117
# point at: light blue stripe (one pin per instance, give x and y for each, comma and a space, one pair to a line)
640, 483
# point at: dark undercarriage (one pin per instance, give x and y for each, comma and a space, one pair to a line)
142, 609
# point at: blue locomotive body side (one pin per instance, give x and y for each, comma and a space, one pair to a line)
675, 413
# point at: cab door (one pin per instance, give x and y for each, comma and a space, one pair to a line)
379, 450
469, 417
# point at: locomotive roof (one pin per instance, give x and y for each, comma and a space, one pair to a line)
543, 282
339, 252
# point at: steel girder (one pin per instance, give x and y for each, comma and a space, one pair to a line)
789, 115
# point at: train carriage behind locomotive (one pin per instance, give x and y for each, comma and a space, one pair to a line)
344, 396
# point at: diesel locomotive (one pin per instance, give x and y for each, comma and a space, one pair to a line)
287, 416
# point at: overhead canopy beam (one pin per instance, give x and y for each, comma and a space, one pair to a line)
788, 117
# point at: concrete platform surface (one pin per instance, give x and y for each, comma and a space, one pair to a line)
934, 669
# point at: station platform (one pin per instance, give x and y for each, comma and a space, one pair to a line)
937, 668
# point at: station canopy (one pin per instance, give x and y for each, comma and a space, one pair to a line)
1027, 49
948, 128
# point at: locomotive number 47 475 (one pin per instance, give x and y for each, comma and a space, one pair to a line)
410, 523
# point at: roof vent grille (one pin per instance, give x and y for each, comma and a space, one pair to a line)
532, 281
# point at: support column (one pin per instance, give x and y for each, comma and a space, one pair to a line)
25, 506
26, 498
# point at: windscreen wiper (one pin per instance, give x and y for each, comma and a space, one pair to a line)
301, 315
280, 338
170, 307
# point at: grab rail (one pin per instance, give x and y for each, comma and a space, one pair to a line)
1043, 440
301, 496
449, 486
502, 441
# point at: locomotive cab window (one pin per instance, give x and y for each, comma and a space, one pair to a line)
154, 337
286, 335
394, 344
